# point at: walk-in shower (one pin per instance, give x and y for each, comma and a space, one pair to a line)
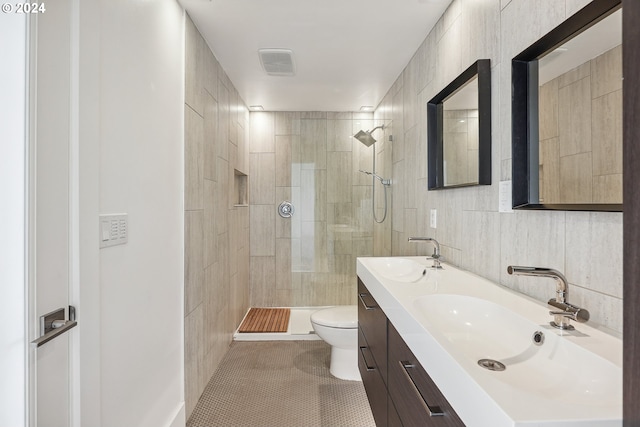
367, 139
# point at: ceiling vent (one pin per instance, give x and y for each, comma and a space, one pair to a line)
277, 62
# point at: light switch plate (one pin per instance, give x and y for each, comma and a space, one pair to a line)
505, 197
433, 220
113, 229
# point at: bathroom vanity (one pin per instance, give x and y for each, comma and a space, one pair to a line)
400, 391
429, 341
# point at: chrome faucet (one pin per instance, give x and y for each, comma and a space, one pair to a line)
561, 318
436, 249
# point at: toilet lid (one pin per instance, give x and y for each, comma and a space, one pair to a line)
345, 316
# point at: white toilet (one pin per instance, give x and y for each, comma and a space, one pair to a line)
338, 327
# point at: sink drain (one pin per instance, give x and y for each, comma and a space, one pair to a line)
492, 365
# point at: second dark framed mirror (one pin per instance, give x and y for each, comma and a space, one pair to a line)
567, 115
459, 130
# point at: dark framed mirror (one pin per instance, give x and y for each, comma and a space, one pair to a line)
459, 130
567, 115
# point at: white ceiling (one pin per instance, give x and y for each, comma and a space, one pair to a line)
347, 53
596, 40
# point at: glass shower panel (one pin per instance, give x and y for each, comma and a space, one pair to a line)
312, 160
333, 221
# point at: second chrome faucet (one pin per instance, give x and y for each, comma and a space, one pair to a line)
565, 311
436, 251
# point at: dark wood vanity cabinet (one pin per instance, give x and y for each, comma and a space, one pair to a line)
417, 399
372, 354
393, 419
400, 391
373, 384
373, 324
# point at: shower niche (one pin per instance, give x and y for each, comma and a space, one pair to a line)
240, 189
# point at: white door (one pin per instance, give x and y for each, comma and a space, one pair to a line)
49, 210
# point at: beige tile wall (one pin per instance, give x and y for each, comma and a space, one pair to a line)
581, 133
460, 153
310, 159
586, 246
216, 231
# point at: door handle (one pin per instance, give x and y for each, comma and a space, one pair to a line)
54, 324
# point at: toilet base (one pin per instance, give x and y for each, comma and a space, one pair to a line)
344, 364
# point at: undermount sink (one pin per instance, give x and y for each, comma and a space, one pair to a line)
399, 269
555, 368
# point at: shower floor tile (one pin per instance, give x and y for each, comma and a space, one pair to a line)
280, 384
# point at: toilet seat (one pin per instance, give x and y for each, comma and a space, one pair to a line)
342, 317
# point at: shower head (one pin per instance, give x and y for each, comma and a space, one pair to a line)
365, 136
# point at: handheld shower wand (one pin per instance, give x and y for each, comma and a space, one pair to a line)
385, 182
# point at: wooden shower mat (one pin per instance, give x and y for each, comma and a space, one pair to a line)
266, 320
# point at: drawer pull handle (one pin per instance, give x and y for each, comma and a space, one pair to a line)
434, 411
369, 367
367, 307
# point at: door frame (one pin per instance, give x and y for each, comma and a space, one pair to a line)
13, 310
631, 216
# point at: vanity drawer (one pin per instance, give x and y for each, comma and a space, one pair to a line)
416, 397
393, 419
372, 381
373, 323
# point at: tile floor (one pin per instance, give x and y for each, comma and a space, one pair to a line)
280, 384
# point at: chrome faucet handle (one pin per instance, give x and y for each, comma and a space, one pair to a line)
575, 315
436, 262
569, 311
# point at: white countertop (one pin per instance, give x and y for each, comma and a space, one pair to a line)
567, 393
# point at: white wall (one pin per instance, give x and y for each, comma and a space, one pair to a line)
13, 72
131, 160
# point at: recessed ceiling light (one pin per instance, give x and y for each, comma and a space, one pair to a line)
366, 108
256, 108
